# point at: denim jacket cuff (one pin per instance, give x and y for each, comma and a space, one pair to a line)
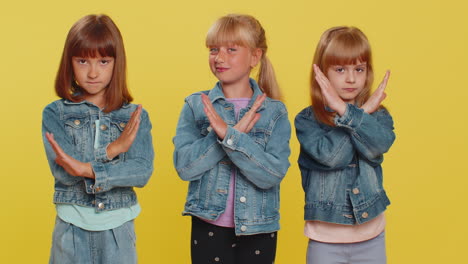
100, 177
101, 154
231, 140
351, 118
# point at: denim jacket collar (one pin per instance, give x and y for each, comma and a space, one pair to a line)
68, 102
217, 93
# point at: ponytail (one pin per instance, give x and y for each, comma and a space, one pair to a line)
267, 79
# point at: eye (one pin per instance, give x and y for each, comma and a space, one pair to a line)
361, 69
105, 62
81, 61
340, 69
232, 49
214, 50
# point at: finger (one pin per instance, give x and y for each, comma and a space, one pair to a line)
55, 146
52, 142
132, 125
384, 82
134, 118
253, 110
317, 70
258, 102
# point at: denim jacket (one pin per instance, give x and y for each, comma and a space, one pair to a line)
74, 129
259, 157
341, 166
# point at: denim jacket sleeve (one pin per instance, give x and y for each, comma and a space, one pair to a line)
51, 122
194, 153
329, 147
136, 168
264, 167
371, 135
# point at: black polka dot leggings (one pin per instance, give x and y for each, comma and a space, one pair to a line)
220, 245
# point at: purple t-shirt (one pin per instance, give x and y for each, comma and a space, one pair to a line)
226, 219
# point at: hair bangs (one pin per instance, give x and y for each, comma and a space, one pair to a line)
228, 30
346, 49
94, 41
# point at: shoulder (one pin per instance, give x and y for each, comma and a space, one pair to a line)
276, 106
306, 113
55, 108
195, 97
382, 112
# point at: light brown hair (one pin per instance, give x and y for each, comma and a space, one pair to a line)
340, 46
245, 30
92, 36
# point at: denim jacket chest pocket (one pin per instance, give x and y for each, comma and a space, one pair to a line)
78, 129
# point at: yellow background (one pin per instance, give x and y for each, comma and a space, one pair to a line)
424, 43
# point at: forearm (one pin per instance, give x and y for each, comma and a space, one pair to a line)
329, 147
371, 135
192, 159
265, 166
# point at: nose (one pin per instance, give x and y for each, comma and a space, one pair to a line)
220, 57
93, 71
350, 77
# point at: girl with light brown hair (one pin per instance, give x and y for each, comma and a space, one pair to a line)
343, 136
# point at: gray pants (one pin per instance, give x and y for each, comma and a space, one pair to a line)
367, 252
71, 244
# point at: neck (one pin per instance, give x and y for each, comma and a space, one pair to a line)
99, 101
238, 90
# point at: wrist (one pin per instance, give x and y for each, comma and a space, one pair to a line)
112, 150
341, 109
88, 171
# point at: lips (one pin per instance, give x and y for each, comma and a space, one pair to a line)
349, 90
221, 69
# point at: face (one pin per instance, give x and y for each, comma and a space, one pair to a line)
93, 75
348, 80
232, 64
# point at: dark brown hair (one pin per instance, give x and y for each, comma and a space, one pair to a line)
340, 46
92, 36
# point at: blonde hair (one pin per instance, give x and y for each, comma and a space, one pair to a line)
340, 46
246, 31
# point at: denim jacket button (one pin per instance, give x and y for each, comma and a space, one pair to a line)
356, 191
229, 142
365, 215
243, 228
101, 206
242, 199
103, 127
209, 129
122, 125
77, 122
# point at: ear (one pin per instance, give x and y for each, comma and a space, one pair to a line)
256, 57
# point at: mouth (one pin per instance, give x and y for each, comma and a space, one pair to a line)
92, 83
349, 90
221, 69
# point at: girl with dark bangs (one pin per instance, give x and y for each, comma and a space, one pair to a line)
343, 137
98, 146
232, 145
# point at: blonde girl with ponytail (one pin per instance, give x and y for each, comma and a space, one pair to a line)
232, 146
